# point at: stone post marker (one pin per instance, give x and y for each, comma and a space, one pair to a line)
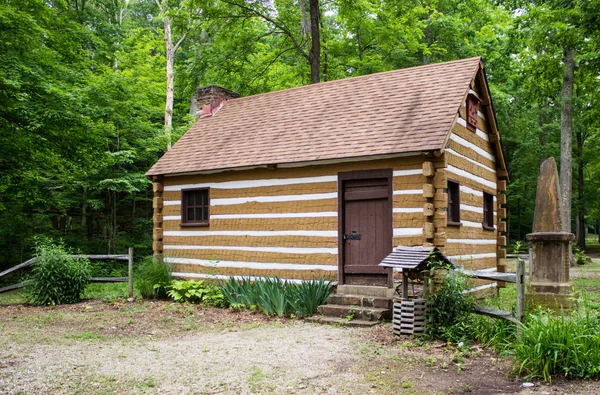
549, 285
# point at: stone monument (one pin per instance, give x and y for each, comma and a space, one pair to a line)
551, 244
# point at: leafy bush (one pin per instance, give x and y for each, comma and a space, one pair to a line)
152, 277
57, 276
579, 255
449, 307
276, 296
196, 292
556, 344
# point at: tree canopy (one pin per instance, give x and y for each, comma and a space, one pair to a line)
83, 88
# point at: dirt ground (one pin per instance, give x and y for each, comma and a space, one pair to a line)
97, 347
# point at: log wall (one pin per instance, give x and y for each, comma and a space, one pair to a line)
279, 222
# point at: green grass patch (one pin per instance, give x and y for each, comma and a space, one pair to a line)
18, 296
85, 336
108, 292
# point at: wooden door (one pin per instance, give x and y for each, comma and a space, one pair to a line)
366, 227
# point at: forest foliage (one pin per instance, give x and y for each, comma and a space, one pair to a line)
83, 87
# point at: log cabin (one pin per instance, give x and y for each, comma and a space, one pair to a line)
322, 181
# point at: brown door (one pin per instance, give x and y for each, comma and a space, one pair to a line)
366, 227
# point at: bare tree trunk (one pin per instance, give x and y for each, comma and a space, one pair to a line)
566, 140
580, 228
170, 59
314, 56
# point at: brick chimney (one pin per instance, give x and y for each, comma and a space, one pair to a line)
210, 99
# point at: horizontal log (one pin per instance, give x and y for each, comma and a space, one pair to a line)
109, 279
501, 213
501, 185
496, 313
103, 257
428, 230
19, 266
501, 198
428, 190
501, 253
157, 187
501, 226
502, 240
428, 169
157, 202
12, 287
493, 276
440, 179
428, 210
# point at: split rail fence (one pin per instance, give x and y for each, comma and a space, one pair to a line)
517, 278
129, 279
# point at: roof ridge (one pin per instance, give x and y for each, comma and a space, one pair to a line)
354, 78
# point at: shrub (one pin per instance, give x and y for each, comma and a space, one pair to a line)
152, 277
556, 344
196, 292
57, 276
276, 296
449, 307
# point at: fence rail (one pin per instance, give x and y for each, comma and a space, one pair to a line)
129, 279
517, 278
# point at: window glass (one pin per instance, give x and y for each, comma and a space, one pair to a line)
195, 207
488, 210
453, 203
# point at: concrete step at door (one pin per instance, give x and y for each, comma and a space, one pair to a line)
360, 300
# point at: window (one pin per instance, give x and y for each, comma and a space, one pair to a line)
472, 114
453, 203
488, 211
195, 207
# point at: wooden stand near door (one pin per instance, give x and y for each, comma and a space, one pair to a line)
365, 227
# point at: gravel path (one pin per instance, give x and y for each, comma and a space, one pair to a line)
297, 357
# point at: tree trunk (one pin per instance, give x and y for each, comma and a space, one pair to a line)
580, 230
170, 59
566, 135
314, 56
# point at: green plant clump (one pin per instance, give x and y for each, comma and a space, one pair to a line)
57, 276
557, 344
153, 277
450, 307
191, 291
274, 296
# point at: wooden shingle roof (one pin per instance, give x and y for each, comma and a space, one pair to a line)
413, 258
401, 111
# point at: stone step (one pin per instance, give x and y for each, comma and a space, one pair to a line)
360, 300
320, 319
358, 312
365, 290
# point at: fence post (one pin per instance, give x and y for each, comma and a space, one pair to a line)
130, 267
520, 285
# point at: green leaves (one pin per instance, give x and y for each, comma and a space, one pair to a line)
58, 278
276, 297
190, 291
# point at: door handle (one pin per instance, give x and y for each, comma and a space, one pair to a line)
351, 236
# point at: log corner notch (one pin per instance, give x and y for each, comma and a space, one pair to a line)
434, 213
502, 240
157, 205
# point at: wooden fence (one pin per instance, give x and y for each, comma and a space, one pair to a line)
129, 279
517, 278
